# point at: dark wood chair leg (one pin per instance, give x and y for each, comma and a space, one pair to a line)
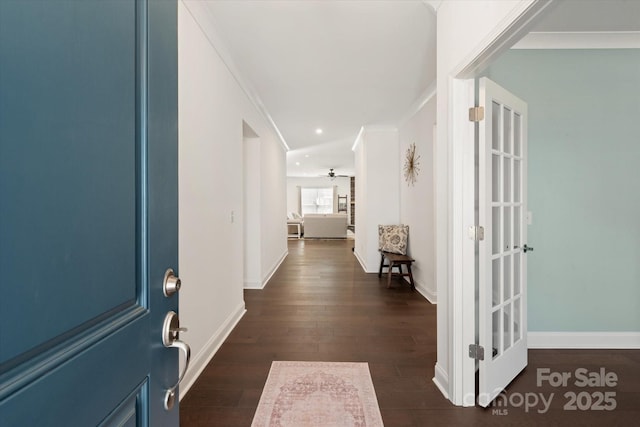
381, 265
413, 288
390, 273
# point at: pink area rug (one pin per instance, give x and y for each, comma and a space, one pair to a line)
318, 394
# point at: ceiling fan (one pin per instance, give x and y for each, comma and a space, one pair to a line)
332, 175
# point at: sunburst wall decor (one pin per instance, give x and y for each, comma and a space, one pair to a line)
411, 164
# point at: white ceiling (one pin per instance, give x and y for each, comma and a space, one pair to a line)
334, 65
339, 65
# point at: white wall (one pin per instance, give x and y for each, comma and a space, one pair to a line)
377, 191
360, 165
465, 30
343, 184
417, 202
212, 108
273, 178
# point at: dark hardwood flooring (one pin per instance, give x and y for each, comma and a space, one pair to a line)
321, 306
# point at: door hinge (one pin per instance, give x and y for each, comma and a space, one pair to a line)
476, 352
476, 114
476, 232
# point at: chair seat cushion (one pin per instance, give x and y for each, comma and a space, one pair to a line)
393, 238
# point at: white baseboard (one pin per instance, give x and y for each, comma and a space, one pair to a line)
253, 285
429, 295
274, 268
361, 261
200, 361
557, 340
441, 380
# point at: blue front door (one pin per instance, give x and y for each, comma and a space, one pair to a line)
88, 211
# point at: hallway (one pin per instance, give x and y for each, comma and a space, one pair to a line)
321, 306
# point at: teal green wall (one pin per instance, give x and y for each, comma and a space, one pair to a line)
584, 185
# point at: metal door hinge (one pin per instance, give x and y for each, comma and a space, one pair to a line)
476, 232
476, 351
476, 114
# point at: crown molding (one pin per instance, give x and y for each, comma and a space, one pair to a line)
372, 128
580, 40
382, 127
358, 139
511, 28
420, 102
201, 14
433, 5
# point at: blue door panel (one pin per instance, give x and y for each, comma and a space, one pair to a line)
68, 214
128, 414
84, 389
88, 210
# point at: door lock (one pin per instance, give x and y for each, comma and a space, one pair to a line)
170, 339
171, 283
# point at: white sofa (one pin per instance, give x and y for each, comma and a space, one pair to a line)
295, 225
325, 226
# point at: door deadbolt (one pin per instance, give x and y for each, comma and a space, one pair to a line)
171, 284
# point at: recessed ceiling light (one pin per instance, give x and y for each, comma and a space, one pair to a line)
318, 131
297, 163
306, 155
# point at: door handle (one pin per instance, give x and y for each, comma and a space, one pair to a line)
170, 338
526, 249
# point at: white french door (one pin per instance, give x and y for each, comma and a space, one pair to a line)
502, 260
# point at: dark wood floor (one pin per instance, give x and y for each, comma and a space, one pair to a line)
321, 306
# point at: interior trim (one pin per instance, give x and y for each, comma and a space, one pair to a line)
202, 359
580, 40
200, 14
